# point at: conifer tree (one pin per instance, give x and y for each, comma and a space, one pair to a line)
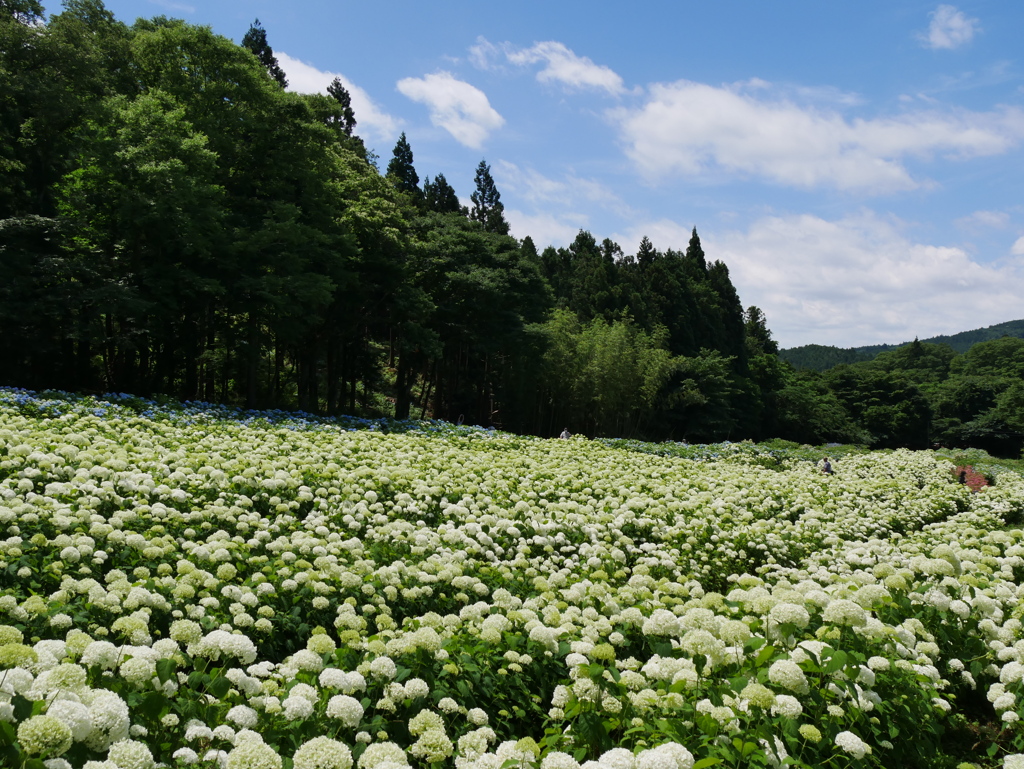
694, 253
400, 169
256, 41
646, 254
340, 94
487, 207
440, 196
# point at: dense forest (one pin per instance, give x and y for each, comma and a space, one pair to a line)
821, 357
174, 222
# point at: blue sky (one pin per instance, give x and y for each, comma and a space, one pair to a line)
858, 166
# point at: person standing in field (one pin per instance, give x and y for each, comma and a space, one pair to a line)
826, 467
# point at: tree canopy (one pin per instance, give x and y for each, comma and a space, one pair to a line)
172, 221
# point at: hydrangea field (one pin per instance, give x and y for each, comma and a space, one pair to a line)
196, 586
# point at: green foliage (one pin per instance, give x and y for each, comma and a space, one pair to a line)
401, 171
607, 378
487, 206
439, 196
889, 406
255, 39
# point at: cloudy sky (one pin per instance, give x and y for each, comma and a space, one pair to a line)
858, 166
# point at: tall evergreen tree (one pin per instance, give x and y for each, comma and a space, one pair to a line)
646, 254
694, 253
337, 91
401, 171
487, 207
440, 196
256, 41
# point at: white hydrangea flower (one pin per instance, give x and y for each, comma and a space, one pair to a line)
253, 755
558, 760
789, 675
383, 667
243, 717
670, 755
44, 736
378, 754
75, 715
346, 709
131, 754
852, 744
323, 753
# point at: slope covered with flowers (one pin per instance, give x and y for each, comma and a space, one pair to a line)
197, 587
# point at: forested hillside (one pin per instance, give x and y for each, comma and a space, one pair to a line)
174, 223
821, 357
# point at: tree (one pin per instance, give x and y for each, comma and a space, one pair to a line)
694, 252
998, 357
699, 396
401, 171
487, 207
486, 294
759, 337
256, 41
889, 406
807, 411
603, 378
922, 362
439, 196
337, 91
646, 253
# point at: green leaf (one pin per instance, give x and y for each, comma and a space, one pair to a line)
9, 755
220, 687
153, 704
165, 670
835, 662
764, 655
751, 645
22, 707
706, 762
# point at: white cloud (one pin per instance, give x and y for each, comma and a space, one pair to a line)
860, 280
530, 185
460, 108
565, 67
371, 121
949, 29
664, 234
561, 64
484, 54
984, 220
551, 210
546, 229
691, 129
1017, 249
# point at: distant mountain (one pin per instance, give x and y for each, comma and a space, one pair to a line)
821, 357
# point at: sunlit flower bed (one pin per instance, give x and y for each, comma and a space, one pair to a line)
201, 587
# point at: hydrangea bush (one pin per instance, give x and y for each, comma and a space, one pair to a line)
204, 587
